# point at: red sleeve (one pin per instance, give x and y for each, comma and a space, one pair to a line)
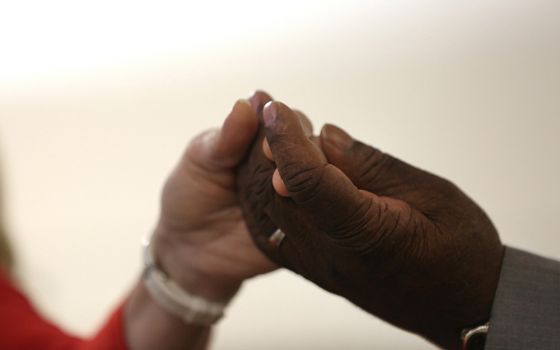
22, 328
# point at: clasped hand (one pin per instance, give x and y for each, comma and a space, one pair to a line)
401, 243
397, 241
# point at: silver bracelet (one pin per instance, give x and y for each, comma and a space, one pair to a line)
175, 300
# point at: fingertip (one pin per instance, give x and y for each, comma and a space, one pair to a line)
287, 138
258, 98
334, 140
266, 149
258, 93
325, 130
237, 132
269, 113
242, 103
305, 122
273, 110
241, 118
279, 185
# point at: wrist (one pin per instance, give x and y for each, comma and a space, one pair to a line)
183, 263
149, 326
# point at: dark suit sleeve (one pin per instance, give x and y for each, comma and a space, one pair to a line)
526, 310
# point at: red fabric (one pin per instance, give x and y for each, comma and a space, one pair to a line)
22, 328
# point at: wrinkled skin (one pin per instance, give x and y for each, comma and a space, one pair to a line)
399, 242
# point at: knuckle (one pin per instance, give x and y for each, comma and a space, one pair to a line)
445, 196
303, 182
375, 228
259, 193
449, 187
357, 231
373, 163
355, 222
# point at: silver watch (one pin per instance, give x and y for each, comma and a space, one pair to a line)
175, 300
475, 338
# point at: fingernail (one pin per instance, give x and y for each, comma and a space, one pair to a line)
253, 99
336, 137
239, 103
269, 114
266, 150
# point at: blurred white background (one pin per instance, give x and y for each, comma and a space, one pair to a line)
98, 100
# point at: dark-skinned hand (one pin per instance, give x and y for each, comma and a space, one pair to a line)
401, 243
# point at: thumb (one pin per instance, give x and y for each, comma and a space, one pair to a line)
320, 189
236, 134
223, 149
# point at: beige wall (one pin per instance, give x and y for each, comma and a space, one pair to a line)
97, 103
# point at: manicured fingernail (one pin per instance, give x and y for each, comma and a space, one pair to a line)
336, 137
269, 114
